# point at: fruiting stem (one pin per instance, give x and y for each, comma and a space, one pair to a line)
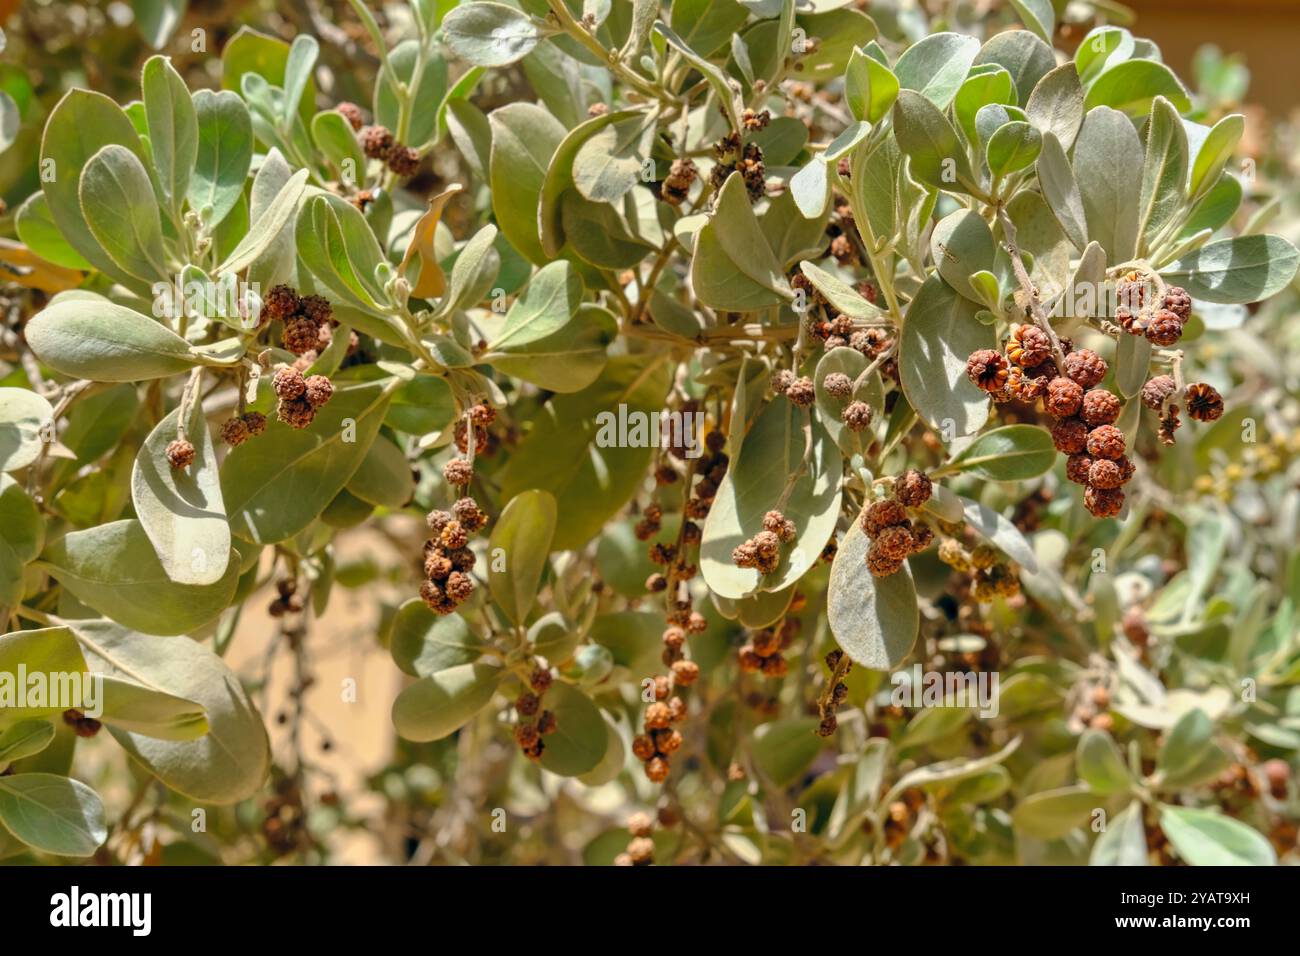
607, 57
1027, 286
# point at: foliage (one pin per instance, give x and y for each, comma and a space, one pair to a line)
722, 352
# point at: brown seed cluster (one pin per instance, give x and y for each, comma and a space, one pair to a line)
299, 397
180, 454
894, 536
763, 652
534, 722
286, 599
763, 551
1084, 429
989, 575
641, 848
746, 159
480, 416
1204, 403
677, 185
377, 142
836, 693
1140, 313
81, 725
660, 740
448, 559
237, 430
307, 321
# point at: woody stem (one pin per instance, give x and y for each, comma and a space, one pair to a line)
1027, 286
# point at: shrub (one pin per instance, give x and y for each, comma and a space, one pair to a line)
741, 408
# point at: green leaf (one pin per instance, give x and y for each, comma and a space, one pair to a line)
79, 127
1186, 743
874, 619
524, 138
422, 405
1022, 54
962, 245
23, 537
608, 164
133, 706
173, 128
1100, 764
37, 231
276, 486
1056, 105
1051, 814
870, 87
936, 66
523, 535
1133, 85
48, 650
1236, 269
181, 509
1013, 147
1164, 172
338, 246
776, 452
384, 475
489, 34
118, 204
1123, 842
158, 19
591, 477
852, 363
1208, 838
926, 136
1039, 16
334, 137
23, 739
733, 267
558, 176
423, 643
23, 414
1108, 160
104, 342
113, 569
266, 227
611, 764
598, 234
1211, 152
231, 761
1061, 191
52, 814
266, 57
705, 25
784, 749
986, 85
580, 739
940, 332
1099, 48
225, 151
934, 723
1010, 453
549, 337
841, 296
440, 704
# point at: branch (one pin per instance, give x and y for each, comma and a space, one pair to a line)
1031, 293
